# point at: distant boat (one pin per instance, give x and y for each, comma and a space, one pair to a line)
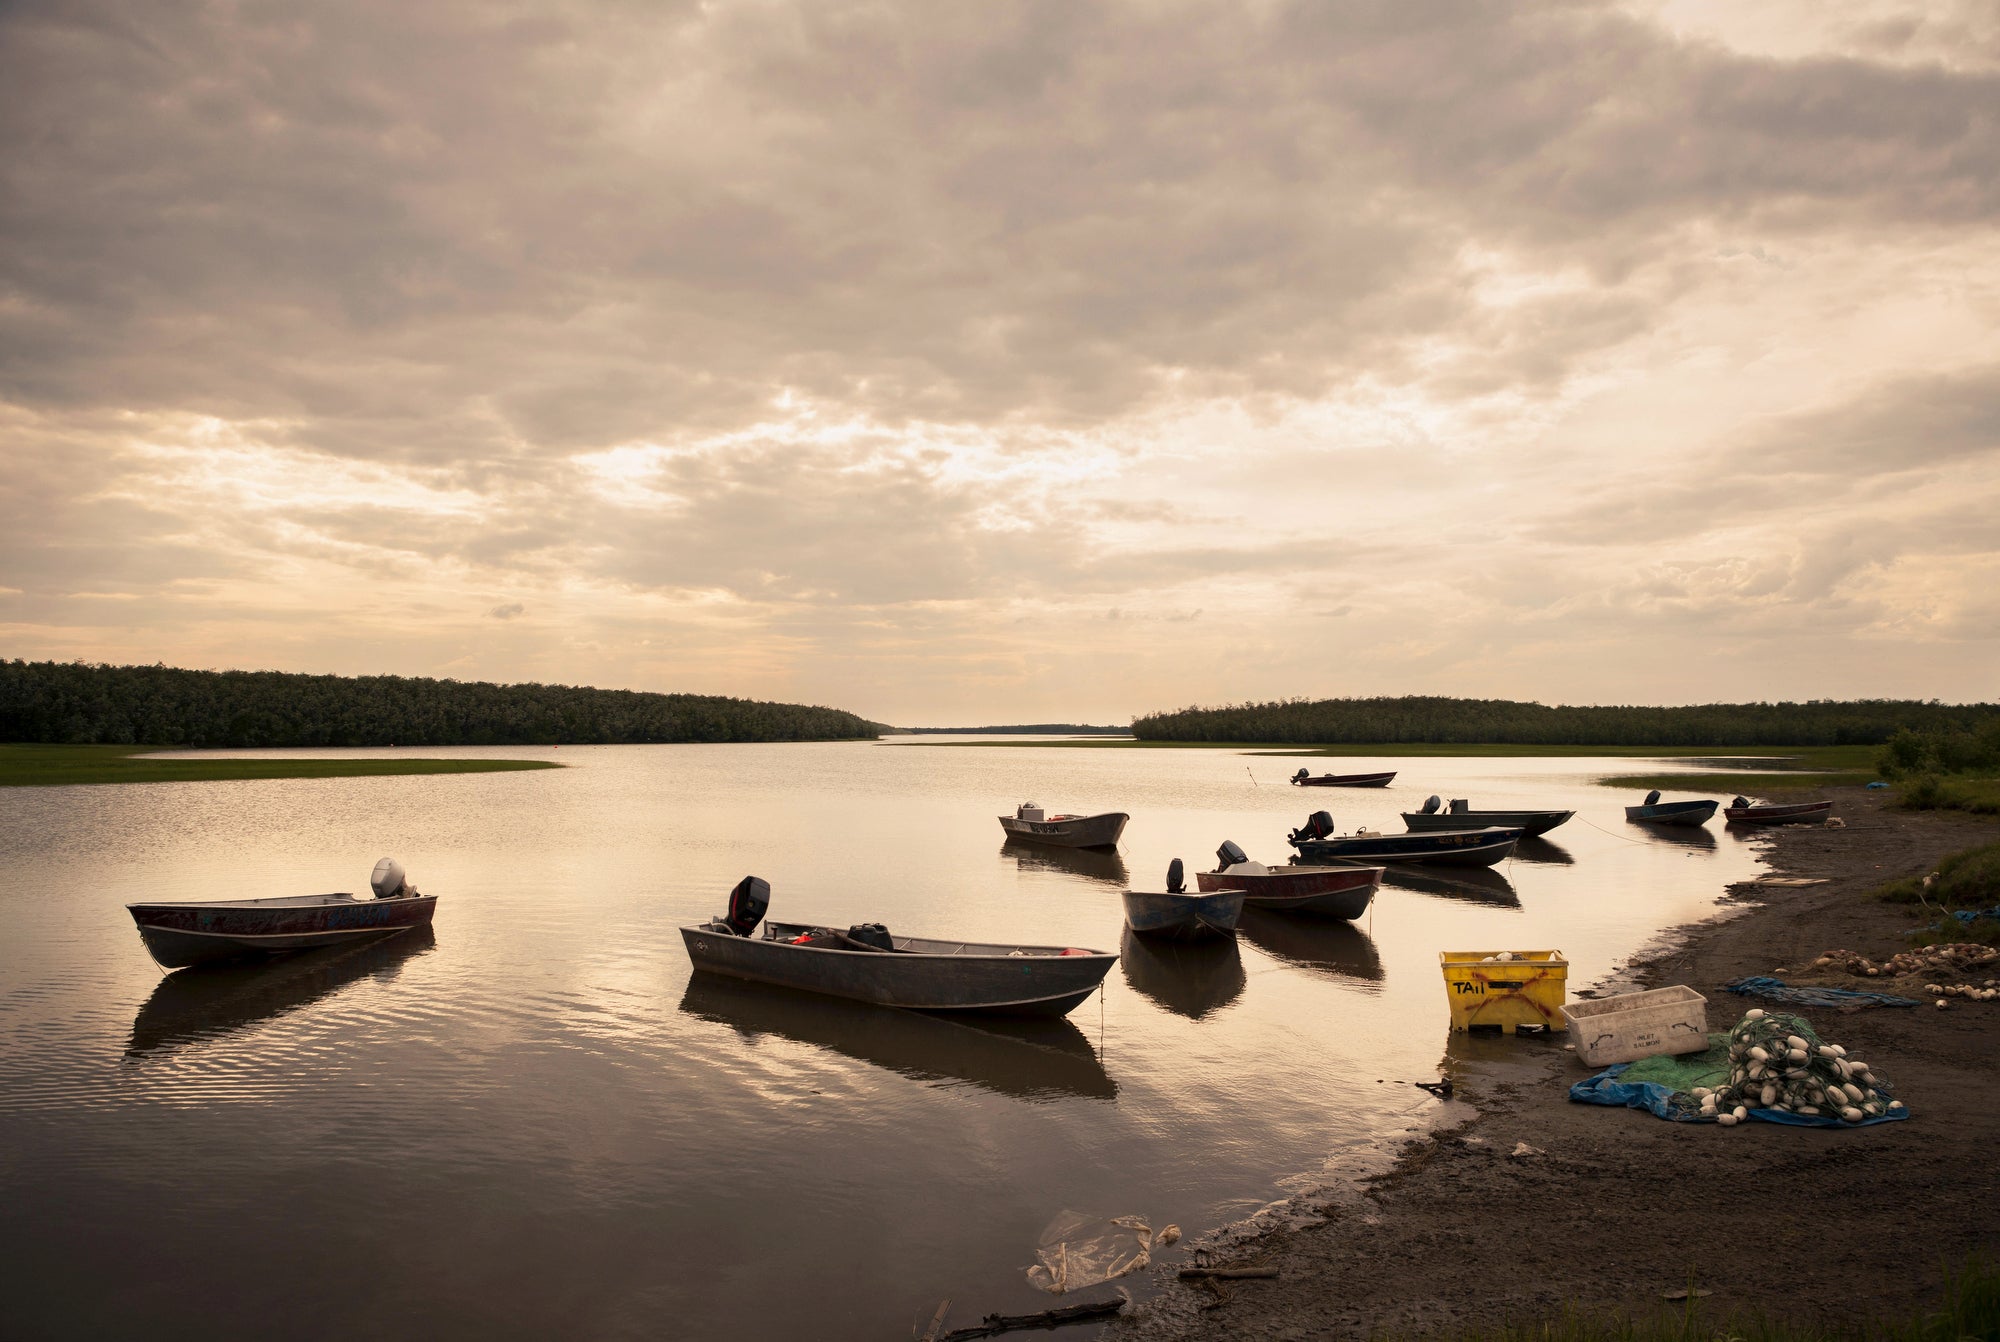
213, 931
1181, 914
1326, 892
866, 964
1304, 778
1742, 812
1065, 831
1459, 816
1653, 811
1317, 842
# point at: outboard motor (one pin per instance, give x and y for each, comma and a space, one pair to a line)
1175, 885
389, 880
1653, 797
747, 903
1740, 803
1459, 806
1302, 775
1229, 855
1431, 804
1319, 825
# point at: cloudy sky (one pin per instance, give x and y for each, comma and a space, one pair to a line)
1009, 362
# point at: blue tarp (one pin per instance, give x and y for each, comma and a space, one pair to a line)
1606, 1088
1777, 990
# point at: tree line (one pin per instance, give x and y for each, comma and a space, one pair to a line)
80, 703
1422, 718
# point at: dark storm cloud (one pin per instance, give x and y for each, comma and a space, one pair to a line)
457, 232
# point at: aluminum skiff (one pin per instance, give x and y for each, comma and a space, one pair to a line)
920, 974
1184, 916
178, 935
1326, 892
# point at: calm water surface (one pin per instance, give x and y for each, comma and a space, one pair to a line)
532, 1122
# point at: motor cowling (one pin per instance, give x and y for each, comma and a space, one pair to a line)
1653, 797
1431, 804
1739, 803
1301, 776
389, 880
747, 903
1319, 825
1176, 883
1229, 855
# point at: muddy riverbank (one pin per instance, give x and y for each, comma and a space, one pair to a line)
1610, 1210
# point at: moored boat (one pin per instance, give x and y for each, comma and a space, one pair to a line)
1742, 812
1181, 914
865, 963
1460, 816
1030, 822
1317, 842
1305, 778
1653, 811
1327, 892
213, 931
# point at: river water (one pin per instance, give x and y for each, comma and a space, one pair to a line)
533, 1122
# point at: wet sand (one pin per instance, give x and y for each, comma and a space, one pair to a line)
1616, 1207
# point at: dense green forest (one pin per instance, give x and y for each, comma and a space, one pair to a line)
1027, 729
77, 703
1418, 718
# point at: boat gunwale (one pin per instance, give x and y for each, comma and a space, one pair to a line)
327, 901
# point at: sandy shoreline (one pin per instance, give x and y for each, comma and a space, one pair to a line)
1620, 1207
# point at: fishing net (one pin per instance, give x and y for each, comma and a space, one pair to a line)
1771, 1067
1777, 990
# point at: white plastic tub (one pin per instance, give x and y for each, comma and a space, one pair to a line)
1638, 1025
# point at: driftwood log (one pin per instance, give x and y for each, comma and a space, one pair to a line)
994, 1324
1226, 1273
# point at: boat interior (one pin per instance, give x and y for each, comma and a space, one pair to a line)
842, 939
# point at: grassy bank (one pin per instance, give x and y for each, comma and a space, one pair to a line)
54, 766
1763, 769
1928, 792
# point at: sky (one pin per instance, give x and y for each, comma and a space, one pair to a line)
1009, 362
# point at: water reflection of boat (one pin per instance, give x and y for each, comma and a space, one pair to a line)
1189, 978
1475, 885
1337, 949
206, 1001
1683, 836
1533, 849
1031, 1058
1097, 864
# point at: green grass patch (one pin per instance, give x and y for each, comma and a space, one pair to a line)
1968, 880
57, 766
1968, 1312
1930, 792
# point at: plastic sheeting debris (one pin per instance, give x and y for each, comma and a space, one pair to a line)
1078, 1250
